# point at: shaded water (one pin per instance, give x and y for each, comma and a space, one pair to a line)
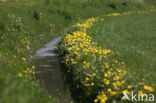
49, 73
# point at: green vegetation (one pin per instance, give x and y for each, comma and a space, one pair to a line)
110, 55
133, 37
25, 25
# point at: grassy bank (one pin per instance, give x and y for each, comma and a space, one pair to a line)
25, 25
110, 55
133, 37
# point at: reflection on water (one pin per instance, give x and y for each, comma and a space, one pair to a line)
47, 49
49, 73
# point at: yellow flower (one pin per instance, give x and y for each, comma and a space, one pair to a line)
102, 19
50, 96
28, 69
84, 62
92, 84
25, 71
26, 75
95, 100
140, 83
24, 59
102, 67
72, 60
87, 79
33, 67
102, 85
141, 93
116, 78
76, 53
106, 75
33, 73
103, 100
68, 71
106, 65
86, 85
94, 74
109, 90
107, 82
127, 92
113, 93
129, 87
149, 88
114, 14
20, 74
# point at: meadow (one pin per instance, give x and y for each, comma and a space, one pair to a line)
25, 25
109, 55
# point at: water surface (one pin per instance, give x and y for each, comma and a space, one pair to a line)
49, 73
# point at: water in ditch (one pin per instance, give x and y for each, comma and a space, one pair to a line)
49, 74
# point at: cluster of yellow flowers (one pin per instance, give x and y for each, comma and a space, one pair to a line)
101, 98
97, 67
149, 88
132, 12
27, 72
24, 46
94, 66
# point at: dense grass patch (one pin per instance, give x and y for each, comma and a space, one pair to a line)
133, 37
99, 58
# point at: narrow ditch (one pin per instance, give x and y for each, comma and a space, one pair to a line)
49, 73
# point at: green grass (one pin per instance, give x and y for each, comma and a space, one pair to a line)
25, 25
133, 36
98, 75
